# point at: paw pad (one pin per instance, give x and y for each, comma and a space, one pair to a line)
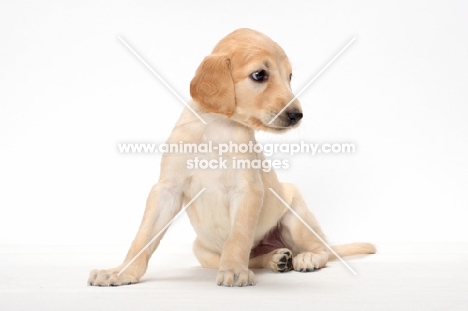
284, 260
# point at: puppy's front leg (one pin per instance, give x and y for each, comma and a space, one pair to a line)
164, 202
233, 268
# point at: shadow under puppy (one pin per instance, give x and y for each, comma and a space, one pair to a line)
239, 222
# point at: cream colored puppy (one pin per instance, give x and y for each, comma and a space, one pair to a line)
239, 222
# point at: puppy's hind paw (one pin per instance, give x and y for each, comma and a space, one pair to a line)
309, 261
281, 260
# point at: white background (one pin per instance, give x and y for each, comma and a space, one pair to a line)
70, 91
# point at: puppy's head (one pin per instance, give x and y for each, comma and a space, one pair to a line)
247, 78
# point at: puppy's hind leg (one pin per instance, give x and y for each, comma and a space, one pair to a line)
309, 251
163, 203
207, 257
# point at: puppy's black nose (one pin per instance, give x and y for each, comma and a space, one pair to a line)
294, 117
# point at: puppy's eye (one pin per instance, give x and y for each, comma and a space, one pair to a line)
259, 76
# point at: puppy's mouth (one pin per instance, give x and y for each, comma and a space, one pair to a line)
285, 121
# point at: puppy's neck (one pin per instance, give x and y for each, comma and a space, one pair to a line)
222, 129
218, 128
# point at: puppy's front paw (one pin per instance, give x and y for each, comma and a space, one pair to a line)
308, 261
110, 278
235, 277
281, 260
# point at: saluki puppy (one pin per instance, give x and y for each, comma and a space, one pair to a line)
239, 221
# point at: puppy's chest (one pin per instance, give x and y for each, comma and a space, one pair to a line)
224, 171
225, 186
224, 158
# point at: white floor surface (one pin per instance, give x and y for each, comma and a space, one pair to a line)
398, 277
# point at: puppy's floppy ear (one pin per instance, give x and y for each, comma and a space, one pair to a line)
212, 87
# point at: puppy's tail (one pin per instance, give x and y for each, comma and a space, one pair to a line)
353, 249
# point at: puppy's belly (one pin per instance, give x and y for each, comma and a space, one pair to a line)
270, 241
